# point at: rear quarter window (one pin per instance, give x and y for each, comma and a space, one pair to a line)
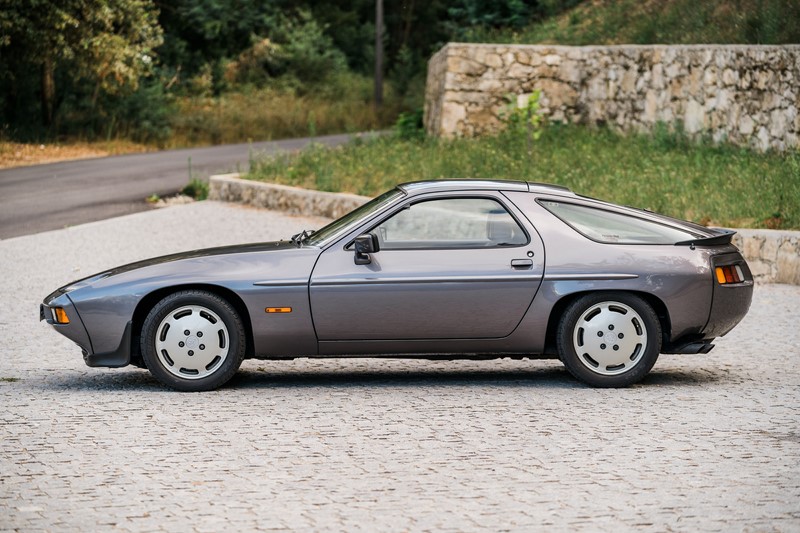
614, 228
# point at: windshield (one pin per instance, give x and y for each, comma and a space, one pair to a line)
341, 225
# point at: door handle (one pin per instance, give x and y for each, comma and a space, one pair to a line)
521, 263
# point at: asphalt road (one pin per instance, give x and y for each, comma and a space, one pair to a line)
45, 197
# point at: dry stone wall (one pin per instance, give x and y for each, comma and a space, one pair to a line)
747, 95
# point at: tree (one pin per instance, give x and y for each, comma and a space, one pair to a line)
378, 53
108, 43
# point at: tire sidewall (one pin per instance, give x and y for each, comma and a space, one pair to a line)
569, 357
230, 318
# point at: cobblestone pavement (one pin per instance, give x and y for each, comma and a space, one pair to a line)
705, 443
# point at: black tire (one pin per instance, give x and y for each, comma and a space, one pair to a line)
207, 356
609, 339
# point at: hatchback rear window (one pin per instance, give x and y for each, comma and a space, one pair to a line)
615, 228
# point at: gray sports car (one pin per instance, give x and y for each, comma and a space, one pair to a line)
440, 270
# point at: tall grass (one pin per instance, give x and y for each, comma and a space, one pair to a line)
665, 172
275, 113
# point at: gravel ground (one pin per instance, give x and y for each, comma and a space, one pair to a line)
707, 443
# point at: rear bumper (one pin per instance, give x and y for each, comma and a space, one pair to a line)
730, 302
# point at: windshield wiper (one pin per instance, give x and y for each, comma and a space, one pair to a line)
298, 238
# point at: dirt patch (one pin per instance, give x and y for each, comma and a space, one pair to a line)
18, 154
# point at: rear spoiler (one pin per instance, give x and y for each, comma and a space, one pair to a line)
723, 237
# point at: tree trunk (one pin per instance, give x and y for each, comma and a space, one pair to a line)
48, 91
409, 18
378, 53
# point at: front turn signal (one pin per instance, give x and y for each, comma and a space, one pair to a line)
60, 315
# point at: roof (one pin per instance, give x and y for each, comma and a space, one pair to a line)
478, 185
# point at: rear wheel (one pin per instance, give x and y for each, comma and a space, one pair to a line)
609, 339
193, 341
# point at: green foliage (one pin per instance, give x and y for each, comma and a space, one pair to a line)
306, 52
196, 188
142, 116
479, 13
92, 48
177, 72
405, 68
201, 34
668, 22
297, 49
722, 185
409, 125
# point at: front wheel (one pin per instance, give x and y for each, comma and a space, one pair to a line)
193, 341
609, 339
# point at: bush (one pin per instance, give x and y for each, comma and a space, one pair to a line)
409, 125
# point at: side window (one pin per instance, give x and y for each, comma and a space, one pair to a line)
615, 228
451, 223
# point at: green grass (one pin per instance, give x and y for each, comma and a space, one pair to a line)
658, 21
665, 172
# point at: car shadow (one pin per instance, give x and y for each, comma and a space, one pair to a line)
542, 378
274, 377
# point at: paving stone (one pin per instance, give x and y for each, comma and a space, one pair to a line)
706, 443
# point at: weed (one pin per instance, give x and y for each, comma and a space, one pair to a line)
522, 118
196, 188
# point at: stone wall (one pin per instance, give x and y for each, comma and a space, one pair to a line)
292, 200
748, 95
773, 256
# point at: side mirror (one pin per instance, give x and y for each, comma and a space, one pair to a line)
364, 245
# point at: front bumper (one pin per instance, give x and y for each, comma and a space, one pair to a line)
76, 332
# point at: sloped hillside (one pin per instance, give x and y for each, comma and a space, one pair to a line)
659, 21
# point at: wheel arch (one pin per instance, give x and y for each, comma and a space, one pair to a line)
557, 311
151, 299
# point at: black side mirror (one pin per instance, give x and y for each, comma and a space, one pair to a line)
364, 245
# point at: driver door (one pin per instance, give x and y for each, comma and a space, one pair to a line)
447, 268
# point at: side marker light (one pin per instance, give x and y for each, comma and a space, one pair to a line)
278, 309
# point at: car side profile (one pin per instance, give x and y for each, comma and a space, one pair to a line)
437, 269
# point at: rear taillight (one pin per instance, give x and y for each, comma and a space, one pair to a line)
729, 274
